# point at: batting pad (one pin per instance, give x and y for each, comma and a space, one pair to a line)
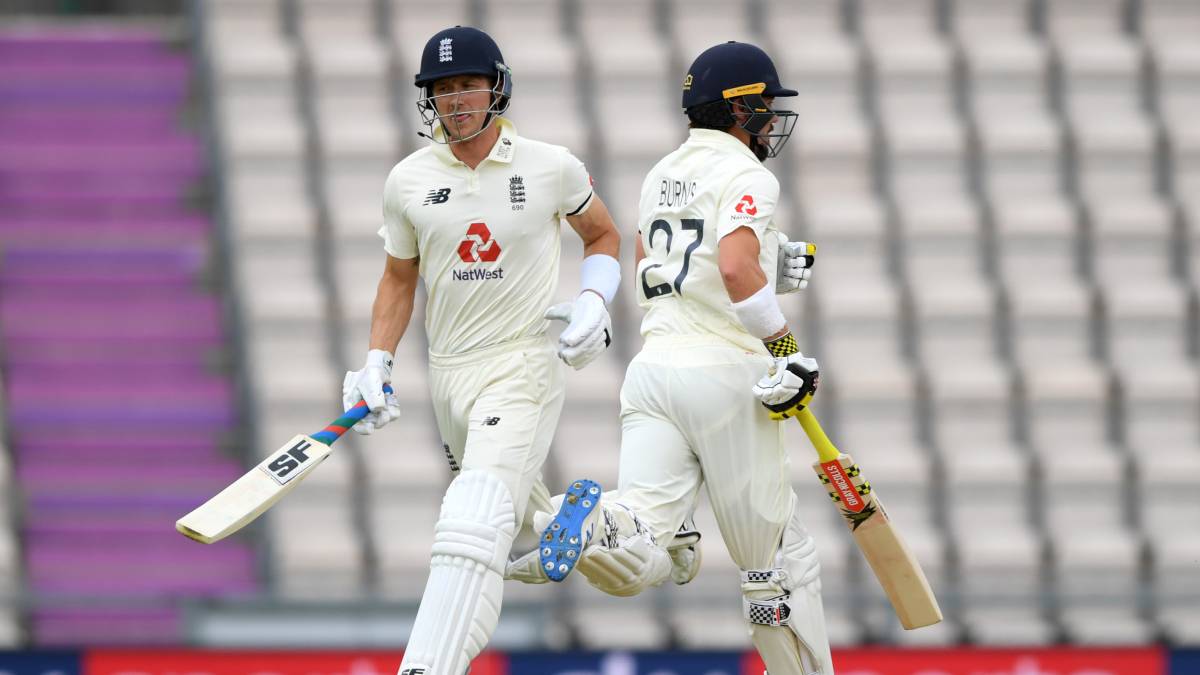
461, 604
792, 639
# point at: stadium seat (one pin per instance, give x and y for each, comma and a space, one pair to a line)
956, 323
315, 545
970, 402
999, 580
401, 525
1097, 579
700, 24
588, 443
415, 21
352, 103
340, 21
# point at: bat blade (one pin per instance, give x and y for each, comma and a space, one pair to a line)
249, 496
894, 565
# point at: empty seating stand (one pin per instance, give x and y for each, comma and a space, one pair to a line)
113, 337
1004, 305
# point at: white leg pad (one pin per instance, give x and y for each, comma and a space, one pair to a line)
783, 606
526, 568
461, 604
625, 560
630, 568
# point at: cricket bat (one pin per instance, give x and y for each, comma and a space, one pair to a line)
249, 496
893, 563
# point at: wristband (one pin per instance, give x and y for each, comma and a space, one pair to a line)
602, 274
760, 313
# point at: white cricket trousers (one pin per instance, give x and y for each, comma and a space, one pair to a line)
688, 418
497, 409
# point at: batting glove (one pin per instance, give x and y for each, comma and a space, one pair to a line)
794, 266
788, 386
588, 332
367, 385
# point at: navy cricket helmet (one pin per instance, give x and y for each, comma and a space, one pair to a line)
736, 77
463, 50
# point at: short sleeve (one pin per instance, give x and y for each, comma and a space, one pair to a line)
748, 201
399, 235
575, 187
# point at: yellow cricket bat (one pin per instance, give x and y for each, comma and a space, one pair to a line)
893, 563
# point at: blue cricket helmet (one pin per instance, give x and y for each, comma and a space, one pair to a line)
462, 50
729, 70
734, 79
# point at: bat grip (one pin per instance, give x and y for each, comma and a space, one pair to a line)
336, 428
826, 451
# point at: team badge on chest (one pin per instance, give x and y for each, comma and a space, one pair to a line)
516, 193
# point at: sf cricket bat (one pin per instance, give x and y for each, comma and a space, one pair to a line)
890, 559
249, 496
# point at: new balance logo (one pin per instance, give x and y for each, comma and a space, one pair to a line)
491, 421
445, 53
438, 196
478, 246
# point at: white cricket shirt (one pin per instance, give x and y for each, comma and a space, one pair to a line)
488, 238
708, 187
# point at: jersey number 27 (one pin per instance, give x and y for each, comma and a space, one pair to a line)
692, 224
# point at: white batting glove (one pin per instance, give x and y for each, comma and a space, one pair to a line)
367, 385
588, 332
794, 266
788, 386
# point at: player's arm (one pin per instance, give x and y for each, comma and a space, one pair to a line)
391, 311
743, 222
394, 299
589, 329
792, 379
390, 315
596, 228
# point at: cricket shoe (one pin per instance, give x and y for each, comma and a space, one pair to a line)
569, 532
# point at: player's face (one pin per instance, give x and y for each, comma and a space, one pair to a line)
462, 102
770, 101
742, 113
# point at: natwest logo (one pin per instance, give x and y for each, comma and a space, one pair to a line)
746, 206
478, 245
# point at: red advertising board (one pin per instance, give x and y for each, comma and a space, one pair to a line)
200, 662
1147, 661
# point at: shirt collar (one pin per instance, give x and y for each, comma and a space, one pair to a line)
720, 139
501, 152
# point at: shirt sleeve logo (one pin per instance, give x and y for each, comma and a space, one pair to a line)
478, 246
746, 206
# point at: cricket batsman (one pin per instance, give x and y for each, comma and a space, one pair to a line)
476, 214
717, 348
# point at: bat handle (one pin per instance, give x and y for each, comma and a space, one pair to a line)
826, 450
336, 428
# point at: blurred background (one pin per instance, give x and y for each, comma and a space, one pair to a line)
1006, 197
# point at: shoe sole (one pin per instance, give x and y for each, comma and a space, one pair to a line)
563, 539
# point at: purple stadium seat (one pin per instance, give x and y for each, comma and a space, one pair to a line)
116, 416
